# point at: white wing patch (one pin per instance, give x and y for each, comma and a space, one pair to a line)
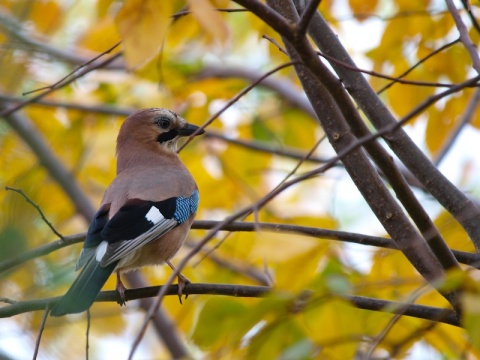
154, 215
101, 251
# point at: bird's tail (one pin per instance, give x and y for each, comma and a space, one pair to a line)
84, 289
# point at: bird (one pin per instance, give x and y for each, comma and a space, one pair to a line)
146, 212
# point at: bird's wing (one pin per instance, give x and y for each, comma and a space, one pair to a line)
94, 237
138, 222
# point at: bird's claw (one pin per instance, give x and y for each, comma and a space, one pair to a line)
182, 282
121, 291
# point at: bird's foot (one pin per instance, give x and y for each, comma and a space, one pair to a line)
182, 282
121, 290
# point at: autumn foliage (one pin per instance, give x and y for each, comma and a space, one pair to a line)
331, 210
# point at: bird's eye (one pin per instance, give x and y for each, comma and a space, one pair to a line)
164, 123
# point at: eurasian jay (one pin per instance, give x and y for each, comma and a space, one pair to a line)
145, 213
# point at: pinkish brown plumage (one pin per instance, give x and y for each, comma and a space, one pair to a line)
146, 212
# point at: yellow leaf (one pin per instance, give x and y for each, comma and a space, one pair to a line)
100, 36
453, 233
142, 24
209, 19
441, 123
336, 316
103, 6
361, 8
471, 317
46, 15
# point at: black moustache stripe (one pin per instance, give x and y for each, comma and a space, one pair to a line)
169, 135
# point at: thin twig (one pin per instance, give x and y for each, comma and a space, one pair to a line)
471, 259
267, 198
182, 13
85, 71
59, 82
289, 175
233, 101
40, 332
100, 109
377, 339
418, 63
274, 42
42, 215
473, 19
388, 77
466, 118
306, 17
464, 37
261, 147
87, 334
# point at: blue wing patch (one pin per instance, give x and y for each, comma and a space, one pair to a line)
134, 218
185, 207
135, 224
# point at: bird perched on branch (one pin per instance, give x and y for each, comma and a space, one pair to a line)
146, 212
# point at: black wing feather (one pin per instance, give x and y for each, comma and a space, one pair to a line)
130, 221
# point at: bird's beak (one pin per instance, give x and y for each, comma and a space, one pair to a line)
189, 130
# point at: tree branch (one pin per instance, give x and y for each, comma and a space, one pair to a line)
324, 95
464, 37
39, 210
86, 70
306, 17
26, 130
471, 259
163, 325
465, 119
283, 87
15, 30
446, 316
462, 208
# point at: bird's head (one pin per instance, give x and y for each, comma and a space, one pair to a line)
151, 128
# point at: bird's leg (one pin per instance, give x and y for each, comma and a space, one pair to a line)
182, 281
121, 289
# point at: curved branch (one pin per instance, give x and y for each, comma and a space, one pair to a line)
280, 85
26, 130
464, 37
463, 209
83, 72
471, 259
446, 316
16, 31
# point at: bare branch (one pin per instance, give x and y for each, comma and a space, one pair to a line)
418, 63
100, 109
26, 130
164, 326
306, 17
40, 332
41, 251
471, 259
274, 42
21, 307
16, 31
462, 208
464, 37
42, 215
282, 86
394, 79
271, 195
446, 316
465, 119
233, 101
85, 71
81, 66
258, 146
